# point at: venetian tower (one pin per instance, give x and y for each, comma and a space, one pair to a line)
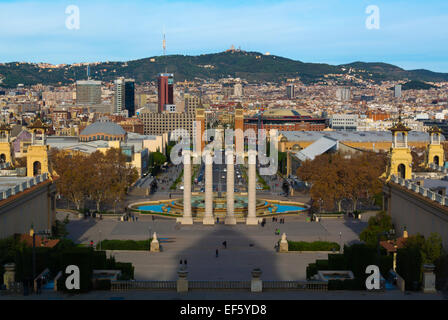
400, 158
434, 151
6, 150
37, 153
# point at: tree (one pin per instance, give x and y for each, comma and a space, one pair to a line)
72, 176
431, 249
335, 177
378, 224
98, 176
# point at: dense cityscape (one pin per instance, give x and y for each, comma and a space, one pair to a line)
234, 175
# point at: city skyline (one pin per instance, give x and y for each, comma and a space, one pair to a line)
327, 32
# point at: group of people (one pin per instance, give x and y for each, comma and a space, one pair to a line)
274, 219
89, 214
129, 217
224, 244
281, 221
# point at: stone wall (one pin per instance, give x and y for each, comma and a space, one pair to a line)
419, 214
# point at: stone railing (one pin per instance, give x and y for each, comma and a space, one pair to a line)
121, 285
5, 165
218, 285
23, 186
438, 168
443, 200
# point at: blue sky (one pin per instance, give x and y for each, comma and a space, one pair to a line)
413, 34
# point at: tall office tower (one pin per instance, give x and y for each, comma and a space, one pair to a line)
290, 92
228, 89
343, 94
191, 102
125, 96
238, 90
397, 91
88, 92
165, 83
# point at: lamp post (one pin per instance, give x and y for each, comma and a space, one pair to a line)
34, 247
340, 242
391, 232
149, 239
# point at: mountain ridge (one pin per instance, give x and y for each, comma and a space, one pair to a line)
251, 66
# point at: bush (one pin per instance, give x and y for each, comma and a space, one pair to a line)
312, 246
140, 245
101, 284
355, 258
127, 270
311, 270
349, 284
441, 272
378, 224
409, 266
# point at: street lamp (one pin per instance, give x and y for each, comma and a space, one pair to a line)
149, 239
389, 233
33, 234
340, 242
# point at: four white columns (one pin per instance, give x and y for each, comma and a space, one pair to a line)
187, 217
251, 192
230, 216
208, 218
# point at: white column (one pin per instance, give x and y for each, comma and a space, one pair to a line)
187, 217
251, 212
230, 216
208, 216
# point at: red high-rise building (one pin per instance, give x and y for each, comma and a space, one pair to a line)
165, 83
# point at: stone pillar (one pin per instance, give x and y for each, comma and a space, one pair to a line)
288, 164
429, 279
9, 277
230, 216
256, 284
283, 244
208, 216
182, 281
187, 217
155, 247
251, 212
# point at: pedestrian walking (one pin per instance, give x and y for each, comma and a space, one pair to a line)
185, 263
225, 244
217, 253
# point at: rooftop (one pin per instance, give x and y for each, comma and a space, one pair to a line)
354, 136
106, 127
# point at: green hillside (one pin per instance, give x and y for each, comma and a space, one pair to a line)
252, 66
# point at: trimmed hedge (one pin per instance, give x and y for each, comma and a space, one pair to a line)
349, 284
409, 266
138, 245
355, 258
312, 246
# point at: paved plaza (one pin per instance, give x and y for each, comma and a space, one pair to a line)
248, 247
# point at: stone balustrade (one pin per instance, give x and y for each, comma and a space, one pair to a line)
23, 186
443, 200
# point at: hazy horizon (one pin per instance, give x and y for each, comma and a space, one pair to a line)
411, 34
